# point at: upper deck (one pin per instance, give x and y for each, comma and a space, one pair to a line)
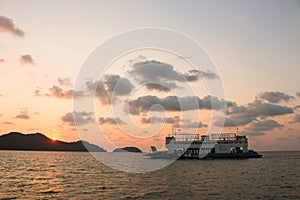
212, 143
223, 138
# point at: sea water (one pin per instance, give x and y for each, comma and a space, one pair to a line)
78, 175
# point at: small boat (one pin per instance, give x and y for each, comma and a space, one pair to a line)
212, 146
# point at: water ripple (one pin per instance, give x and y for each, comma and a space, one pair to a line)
75, 175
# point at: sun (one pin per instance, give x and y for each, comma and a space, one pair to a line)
53, 139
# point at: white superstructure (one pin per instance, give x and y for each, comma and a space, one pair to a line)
192, 145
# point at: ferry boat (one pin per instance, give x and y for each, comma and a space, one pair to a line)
191, 146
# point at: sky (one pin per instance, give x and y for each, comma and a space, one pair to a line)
253, 47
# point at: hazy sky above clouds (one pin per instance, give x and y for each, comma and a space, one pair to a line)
255, 45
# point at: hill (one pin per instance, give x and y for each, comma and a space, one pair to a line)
128, 149
40, 142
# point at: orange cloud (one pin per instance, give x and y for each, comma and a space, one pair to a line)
23, 115
7, 123
58, 92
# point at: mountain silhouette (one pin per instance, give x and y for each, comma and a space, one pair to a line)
40, 142
128, 149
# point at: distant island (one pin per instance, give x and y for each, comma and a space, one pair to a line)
40, 142
128, 149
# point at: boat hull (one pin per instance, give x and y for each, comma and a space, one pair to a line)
164, 155
231, 155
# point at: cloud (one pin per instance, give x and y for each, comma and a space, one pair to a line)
64, 81
174, 103
265, 125
7, 123
27, 59
2, 60
8, 25
252, 133
209, 102
117, 85
162, 74
194, 124
37, 93
110, 120
157, 87
234, 120
296, 119
297, 107
109, 86
137, 59
23, 115
242, 115
59, 92
170, 103
259, 108
81, 118
195, 75
176, 121
168, 120
275, 97
155, 71
298, 94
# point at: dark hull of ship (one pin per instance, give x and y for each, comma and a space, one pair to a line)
164, 155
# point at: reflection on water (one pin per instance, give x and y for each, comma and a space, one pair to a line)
45, 175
